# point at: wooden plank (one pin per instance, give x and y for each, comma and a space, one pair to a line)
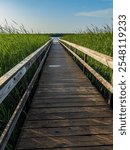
102, 58
61, 85
58, 97
65, 141
67, 122
68, 89
65, 94
57, 100
80, 148
67, 80
66, 131
68, 115
71, 109
67, 104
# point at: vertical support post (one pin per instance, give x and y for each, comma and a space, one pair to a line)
110, 101
74, 50
75, 57
85, 60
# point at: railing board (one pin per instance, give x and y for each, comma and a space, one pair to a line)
102, 58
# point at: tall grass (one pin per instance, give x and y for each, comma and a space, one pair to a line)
98, 39
15, 47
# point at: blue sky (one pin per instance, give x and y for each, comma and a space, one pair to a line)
52, 16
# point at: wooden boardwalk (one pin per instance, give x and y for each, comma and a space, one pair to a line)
67, 112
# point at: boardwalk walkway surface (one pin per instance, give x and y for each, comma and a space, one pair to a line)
67, 112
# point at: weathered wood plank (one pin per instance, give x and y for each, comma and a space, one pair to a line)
66, 91
67, 104
66, 131
67, 122
71, 109
59, 89
49, 97
65, 141
46, 100
67, 115
82, 148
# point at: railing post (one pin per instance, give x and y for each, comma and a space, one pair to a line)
110, 100
85, 60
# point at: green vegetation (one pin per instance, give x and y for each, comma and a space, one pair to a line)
100, 40
95, 38
15, 47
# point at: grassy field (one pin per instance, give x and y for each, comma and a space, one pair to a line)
95, 38
100, 40
15, 47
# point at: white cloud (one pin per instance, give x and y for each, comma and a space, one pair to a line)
98, 13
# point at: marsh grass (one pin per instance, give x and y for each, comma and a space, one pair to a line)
99, 39
15, 47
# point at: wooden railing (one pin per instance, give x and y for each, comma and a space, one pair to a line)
102, 58
11, 79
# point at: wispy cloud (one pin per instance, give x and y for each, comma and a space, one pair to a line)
98, 13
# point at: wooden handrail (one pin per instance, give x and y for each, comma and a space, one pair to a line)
12, 77
93, 72
102, 58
